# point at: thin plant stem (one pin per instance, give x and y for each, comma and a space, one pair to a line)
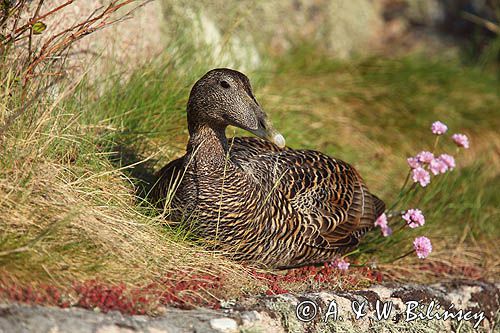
406, 181
401, 196
436, 141
351, 253
30, 41
401, 227
401, 257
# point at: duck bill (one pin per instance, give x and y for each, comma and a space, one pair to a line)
267, 132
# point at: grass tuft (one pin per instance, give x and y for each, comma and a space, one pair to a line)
77, 164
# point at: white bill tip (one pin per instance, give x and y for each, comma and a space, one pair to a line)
279, 140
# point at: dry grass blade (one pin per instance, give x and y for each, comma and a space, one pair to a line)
67, 213
495, 28
52, 49
55, 46
69, 202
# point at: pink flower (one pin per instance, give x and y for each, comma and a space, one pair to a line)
386, 231
438, 128
461, 140
414, 218
449, 160
382, 223
421, 176
425, 157
422, 246
341, 264
413, 162
438, 166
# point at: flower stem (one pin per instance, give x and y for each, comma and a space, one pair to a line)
404, 255
351, 253
435, 144
401, 227
401, 195
406, 181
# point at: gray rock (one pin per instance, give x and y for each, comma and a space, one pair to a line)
335, 311
224, 324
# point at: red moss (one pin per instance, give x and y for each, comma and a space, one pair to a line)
322, 277
184, 291
190, 291
93, 294
39, 294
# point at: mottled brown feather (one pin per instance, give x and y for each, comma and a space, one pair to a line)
260, 203
329, 205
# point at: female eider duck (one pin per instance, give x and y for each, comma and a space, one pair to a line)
263, 202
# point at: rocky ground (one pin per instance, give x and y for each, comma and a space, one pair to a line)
474, 305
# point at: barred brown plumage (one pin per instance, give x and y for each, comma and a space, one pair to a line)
259, 200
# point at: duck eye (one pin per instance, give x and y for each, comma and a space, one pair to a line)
224, 84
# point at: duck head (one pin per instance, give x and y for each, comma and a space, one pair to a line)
224, 97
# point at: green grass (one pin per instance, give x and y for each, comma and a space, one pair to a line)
376, 112
372, 112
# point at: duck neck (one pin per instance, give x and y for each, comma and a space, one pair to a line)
207, 145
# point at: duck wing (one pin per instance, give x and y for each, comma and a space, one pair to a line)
327, 196
330, 197
168, 180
